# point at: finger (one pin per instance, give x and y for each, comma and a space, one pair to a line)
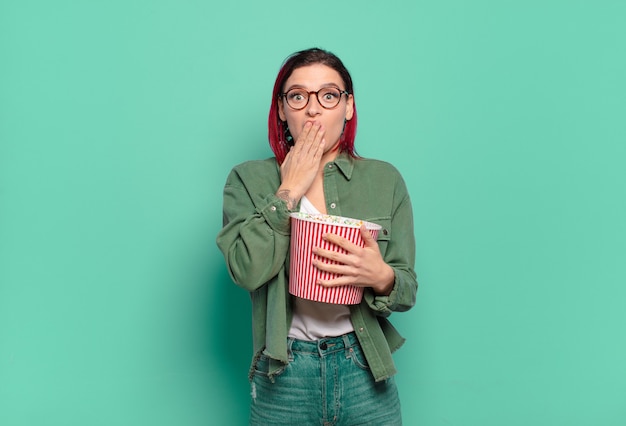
368, 239
331, 255
309, 130
340, 241
320, 148
303, 136
340, 281
338, 270
317, 132
314, 138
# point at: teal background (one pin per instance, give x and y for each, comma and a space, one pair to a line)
120, 120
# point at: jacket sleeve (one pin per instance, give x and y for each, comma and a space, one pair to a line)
400, 255
256, 232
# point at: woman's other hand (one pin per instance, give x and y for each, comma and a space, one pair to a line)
360, 266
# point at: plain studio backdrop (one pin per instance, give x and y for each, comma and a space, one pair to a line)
119, 121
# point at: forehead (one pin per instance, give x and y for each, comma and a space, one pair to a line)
313, 77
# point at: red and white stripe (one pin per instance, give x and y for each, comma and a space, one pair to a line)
303, 275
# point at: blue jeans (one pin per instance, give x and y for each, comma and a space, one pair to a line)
326, 382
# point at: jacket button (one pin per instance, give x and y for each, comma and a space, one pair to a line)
333, 205
385, 232
361, 329
273, 208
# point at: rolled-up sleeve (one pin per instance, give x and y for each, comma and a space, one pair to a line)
400, 255
255, 236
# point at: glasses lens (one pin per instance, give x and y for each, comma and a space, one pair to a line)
297, 98
329, 97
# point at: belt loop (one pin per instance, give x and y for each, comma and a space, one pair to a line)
290, 341
346, 341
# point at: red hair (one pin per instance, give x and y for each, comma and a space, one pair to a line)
277, 127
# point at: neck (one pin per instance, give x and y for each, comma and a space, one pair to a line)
330, 155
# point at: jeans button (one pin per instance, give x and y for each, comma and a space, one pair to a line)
323, 346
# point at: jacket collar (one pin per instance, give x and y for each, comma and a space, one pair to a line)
345, 163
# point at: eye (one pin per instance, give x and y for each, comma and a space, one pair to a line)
296, 96
330, 94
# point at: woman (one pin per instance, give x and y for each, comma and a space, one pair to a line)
318, 363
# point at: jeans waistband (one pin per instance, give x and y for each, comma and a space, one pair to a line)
325, 345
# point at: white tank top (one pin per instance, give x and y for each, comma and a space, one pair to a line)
315, 320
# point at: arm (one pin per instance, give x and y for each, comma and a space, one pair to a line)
256, 233
400, 256
389, 277
255, 237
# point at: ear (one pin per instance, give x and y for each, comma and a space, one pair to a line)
281, 110
349, 107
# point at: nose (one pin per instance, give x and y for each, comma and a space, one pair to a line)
313, 107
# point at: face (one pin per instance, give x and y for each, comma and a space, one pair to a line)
313, 78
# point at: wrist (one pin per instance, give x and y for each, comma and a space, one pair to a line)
387, 283
287, 196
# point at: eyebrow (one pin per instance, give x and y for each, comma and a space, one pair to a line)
323, 86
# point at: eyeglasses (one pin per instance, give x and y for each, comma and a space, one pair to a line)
328, 97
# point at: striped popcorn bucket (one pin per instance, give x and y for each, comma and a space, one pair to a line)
306, 233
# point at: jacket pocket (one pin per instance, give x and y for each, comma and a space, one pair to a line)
384, 234
355, 353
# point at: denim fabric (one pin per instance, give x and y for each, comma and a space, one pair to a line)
327, 382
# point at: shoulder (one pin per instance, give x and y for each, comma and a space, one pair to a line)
250, 172
380, 176
378, 167
254, 165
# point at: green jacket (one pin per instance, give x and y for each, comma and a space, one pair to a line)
255, 244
